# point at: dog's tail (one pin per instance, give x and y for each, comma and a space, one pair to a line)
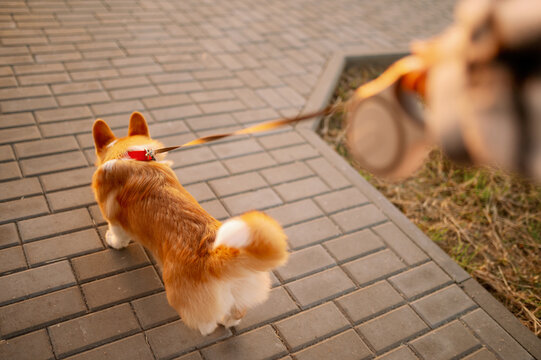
253, 241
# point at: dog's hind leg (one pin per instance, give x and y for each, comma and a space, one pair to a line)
116, 237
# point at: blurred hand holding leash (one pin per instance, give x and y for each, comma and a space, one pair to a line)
480, 82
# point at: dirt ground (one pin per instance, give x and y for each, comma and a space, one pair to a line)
488, 221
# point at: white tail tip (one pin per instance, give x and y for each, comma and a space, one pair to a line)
233, 233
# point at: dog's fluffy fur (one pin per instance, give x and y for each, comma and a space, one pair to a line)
212, 272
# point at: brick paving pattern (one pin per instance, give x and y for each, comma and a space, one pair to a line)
356, 286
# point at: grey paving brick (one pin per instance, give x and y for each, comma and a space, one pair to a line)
154, 310
23, 208
180, 87
290, 214
481, 354
176, 338
6, 153
341, 199
281, 139
262, 343
35, 281
311, 326
328, 173
43, 79
359, 217
8, 235
201, 191
54, 224
346, 346
304, 262
216, 209
132, 347
273, 98
39, 311
494, 336
301, 189
322, 286
64, 128
17, 119
201, 172
191, 356
249, 98
67, 199
124, 82
115, 107
277, 306
91, 330
311, 232
46, 146
78, 87
392, 328
110, 261
236, 148
294, 153
351, 246
12, 259
249, 162
255, 115
20, 188
124, 286
24, 91
237, 183
12, 135
370, 301
420, 280
402, 353
50, 163
222, 106
283, 173
64, 113
212, 96
96, 214
166, 100
83, 99
176, 112
9, 170
374, 267
448, 342
221, 84
32, 346
253, 200
58, 247
443, 305
210, 121
400, 243
29, 104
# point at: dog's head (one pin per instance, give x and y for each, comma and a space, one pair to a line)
109, 147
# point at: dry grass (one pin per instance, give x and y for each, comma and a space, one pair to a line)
489, 222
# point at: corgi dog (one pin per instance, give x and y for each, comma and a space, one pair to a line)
212, 272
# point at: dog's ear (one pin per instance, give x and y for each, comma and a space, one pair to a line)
102, 134
138, 125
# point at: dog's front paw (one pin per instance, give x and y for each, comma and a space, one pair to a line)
208, 328
115, 241
228, 322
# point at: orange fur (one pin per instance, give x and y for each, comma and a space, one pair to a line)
206, 284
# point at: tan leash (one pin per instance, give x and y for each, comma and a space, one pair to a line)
410, 69
266, 126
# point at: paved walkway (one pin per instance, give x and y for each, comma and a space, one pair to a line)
362, 281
